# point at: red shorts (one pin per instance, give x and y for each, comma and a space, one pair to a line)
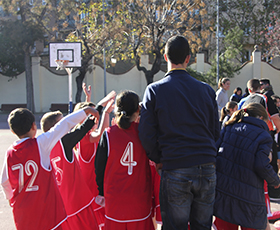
146, 224
84, 220
99, 213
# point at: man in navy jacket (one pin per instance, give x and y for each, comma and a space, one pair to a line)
178, 128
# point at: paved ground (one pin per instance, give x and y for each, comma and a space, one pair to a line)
6, 139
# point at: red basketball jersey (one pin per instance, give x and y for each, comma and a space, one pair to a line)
72, 186
127, 179
156, 186
86, 153
36, 200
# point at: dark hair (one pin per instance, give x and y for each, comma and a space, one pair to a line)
254, 85
225, 110
49, 120
265, 81
223, 81
20, 121
177, 49
127, 103
81, 105
236, 90
252, 109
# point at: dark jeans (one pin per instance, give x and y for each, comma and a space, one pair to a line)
188, 195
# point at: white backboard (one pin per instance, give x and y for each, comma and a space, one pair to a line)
71, 51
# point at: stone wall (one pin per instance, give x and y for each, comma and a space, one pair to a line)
51, 88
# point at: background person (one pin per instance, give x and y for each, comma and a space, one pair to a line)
221, 94
227, 111
242, 166
237, 95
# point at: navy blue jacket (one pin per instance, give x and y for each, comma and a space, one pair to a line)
242, 166
179, 121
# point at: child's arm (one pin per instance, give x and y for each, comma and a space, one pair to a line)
100, 162
87, 92
71, 139
262, 166
95, 136
46, 141
104, 101
5, 183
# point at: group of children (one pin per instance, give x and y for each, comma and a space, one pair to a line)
58, 180
81, 175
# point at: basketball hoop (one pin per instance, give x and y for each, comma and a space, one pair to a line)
61, 64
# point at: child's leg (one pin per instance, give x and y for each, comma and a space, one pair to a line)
141, 225
220, 224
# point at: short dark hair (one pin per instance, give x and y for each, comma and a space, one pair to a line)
177, 49
49, 120
265, 81
20, 121
254, 85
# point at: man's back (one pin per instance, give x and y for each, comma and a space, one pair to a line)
187, 117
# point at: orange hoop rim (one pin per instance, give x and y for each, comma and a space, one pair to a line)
62, 61
61, 64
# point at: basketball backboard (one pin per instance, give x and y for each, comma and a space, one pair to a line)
70, 51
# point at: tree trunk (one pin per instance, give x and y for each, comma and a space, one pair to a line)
29, 81
149, 77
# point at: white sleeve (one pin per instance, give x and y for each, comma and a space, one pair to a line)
5, 183
46, 141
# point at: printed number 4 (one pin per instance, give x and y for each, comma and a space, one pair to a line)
127, 158
30, 187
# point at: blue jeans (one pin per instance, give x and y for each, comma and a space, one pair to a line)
188, 195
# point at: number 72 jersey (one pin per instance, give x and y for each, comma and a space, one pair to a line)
36, 201
127, 179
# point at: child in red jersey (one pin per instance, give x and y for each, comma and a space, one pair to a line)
27, 176
122, 169
86, 149
76, 196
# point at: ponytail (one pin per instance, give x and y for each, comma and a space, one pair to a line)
224, 112
252, 110
236, 117
122, 120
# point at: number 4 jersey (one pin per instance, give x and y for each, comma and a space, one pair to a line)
36, 201
127, 179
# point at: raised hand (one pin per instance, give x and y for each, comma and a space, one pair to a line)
87, 91
106, 99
